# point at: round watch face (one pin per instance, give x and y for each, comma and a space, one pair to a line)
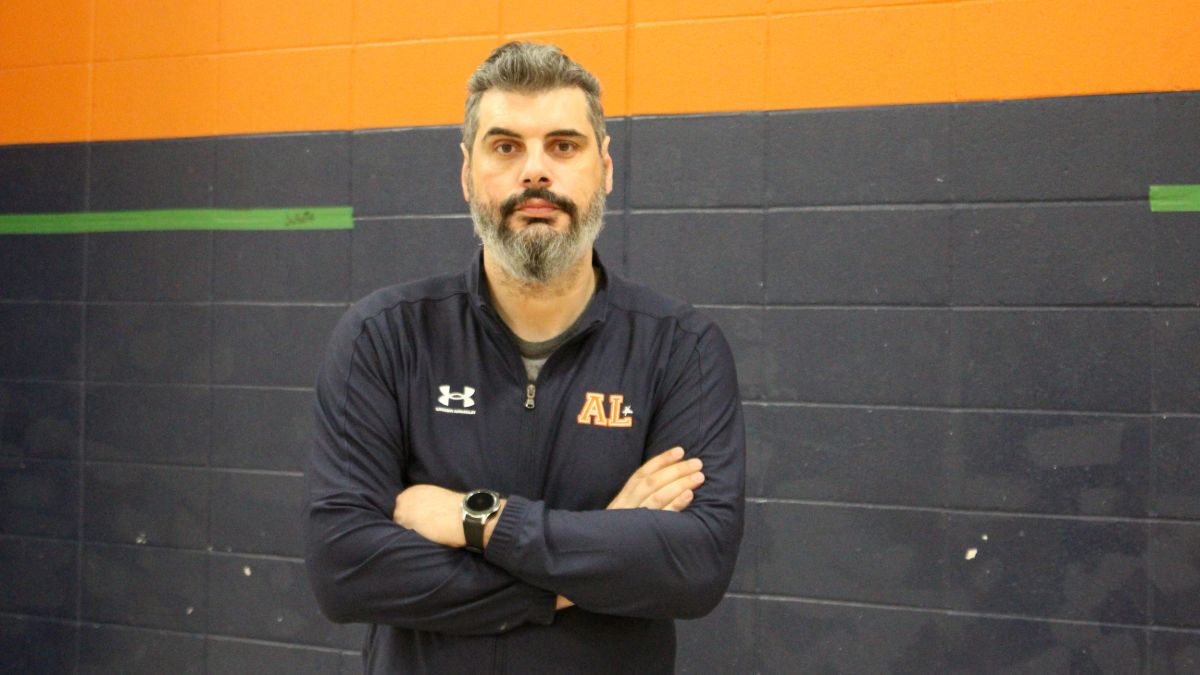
480, 501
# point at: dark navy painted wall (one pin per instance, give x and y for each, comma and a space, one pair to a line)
970, 357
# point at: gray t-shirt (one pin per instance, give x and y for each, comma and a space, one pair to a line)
534, 354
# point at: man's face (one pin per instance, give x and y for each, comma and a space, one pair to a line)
536, 181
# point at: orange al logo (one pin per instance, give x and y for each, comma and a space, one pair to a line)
593, 411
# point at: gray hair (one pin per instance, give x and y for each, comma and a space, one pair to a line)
530, 68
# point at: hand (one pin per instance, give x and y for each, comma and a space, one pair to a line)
664, 482
432, 512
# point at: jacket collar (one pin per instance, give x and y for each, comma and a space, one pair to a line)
595, 313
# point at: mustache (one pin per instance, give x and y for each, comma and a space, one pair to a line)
510, 205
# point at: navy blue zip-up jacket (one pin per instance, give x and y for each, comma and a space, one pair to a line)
422, 384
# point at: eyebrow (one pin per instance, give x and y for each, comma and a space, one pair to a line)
501, 131
569, 133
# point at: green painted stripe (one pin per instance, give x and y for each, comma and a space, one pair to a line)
298, 218
1175, 197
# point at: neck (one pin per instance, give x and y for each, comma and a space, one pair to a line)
539, 312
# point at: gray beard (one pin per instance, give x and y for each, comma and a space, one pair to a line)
538, 254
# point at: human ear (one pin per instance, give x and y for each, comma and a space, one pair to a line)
608, 165
466, 173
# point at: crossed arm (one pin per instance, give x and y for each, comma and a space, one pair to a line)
665, 482
671, 558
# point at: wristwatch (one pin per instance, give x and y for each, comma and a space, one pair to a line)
477, 507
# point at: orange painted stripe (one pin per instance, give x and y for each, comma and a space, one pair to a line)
701, 66
1180, 45
390, 21
155, 98
283, 90
139, 29
794, 6
45, 104
522, 16
268, 24
418, 81
39, 33
75, 70
1011, 49
683, 10
812, 64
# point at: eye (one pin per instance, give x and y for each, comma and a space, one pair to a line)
565, 147
505, 147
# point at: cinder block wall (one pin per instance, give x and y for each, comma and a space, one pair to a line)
969, 352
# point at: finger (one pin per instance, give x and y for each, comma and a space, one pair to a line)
396, 509
659, 461
681, 502
672, 473
645, 488
667, 494
652, 475
648, 478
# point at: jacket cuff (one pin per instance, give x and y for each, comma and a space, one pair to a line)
502, 546
502, 550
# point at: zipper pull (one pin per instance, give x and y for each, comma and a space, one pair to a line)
530, 392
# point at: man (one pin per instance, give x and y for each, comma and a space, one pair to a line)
533, 466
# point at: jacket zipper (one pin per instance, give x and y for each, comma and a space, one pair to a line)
531, 460
531, 388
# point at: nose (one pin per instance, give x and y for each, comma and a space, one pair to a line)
535, 173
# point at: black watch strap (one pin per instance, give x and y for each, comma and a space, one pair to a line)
473, 528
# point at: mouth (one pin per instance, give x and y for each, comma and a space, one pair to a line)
537, 204
537, 208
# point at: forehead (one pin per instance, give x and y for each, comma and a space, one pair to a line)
534, 114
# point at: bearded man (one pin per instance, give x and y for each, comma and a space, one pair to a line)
535, 465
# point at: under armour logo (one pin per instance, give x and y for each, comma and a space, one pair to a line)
465, 398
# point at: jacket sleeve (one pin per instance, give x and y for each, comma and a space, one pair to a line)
642, 562
361, 565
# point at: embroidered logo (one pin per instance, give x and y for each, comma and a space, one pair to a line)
594, 412
464, 398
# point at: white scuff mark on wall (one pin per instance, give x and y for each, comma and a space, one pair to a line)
971, 553
247, 571
141, 538
189, 610
983, 536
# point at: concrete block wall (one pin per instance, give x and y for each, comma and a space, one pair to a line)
957, 327
968, 350
970, 372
